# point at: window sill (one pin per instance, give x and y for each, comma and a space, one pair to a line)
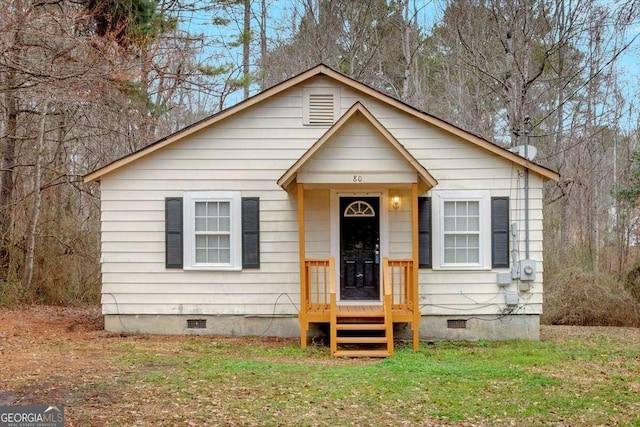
461, 268
212, 268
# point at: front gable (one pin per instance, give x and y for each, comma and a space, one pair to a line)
357, 153
357, 149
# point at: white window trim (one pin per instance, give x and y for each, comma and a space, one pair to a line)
484, 199
234, 199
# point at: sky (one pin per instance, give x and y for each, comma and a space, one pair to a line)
429, 13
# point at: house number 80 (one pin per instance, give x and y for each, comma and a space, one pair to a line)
357, 178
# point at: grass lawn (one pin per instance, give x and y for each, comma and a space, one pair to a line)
577, 382
573, 377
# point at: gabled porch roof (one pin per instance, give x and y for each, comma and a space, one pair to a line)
425, 179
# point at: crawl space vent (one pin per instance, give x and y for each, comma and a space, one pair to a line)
196, 323
457, 324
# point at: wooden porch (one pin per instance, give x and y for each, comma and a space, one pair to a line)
360, 330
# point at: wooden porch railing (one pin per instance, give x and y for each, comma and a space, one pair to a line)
401, 283
333, 312
402, 277
387, 302
318, 277
318, 274
319, 294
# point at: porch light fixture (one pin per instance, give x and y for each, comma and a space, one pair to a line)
396, 203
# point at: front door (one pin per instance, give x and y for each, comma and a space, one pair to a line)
359, 248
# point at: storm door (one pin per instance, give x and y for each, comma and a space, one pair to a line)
359, 248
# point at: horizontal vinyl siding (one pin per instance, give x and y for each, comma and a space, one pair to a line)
459, 165
246, 153
465, 293
400, 227
317, 224
278, 307
357, 149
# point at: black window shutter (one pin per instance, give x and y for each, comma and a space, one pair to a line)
500, 232
250, 232
424, 231
173, 231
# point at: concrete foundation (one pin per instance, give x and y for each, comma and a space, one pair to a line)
286, 326
480, 327
432, 328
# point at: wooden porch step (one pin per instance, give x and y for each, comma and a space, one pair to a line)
361, 331
360, 314
362, 353
362, 340
360, 326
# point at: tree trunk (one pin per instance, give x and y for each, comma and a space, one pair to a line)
559, 137
246, 41
8, 148
263, 41
35, 215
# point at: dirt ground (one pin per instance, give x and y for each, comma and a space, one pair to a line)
61, 354
25, 335
53, 355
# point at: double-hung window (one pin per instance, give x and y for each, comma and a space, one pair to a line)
462, 225
212, 230
461, 232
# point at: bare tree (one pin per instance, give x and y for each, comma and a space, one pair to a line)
374, 42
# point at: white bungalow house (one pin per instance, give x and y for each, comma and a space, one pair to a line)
323, 203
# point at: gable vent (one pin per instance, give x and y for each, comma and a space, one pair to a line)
321, 108
321, 105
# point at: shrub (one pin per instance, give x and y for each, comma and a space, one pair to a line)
574, 296
632, 282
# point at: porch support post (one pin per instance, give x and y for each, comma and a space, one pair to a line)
302, 314
416, 262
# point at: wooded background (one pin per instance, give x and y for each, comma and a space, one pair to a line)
85, 82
